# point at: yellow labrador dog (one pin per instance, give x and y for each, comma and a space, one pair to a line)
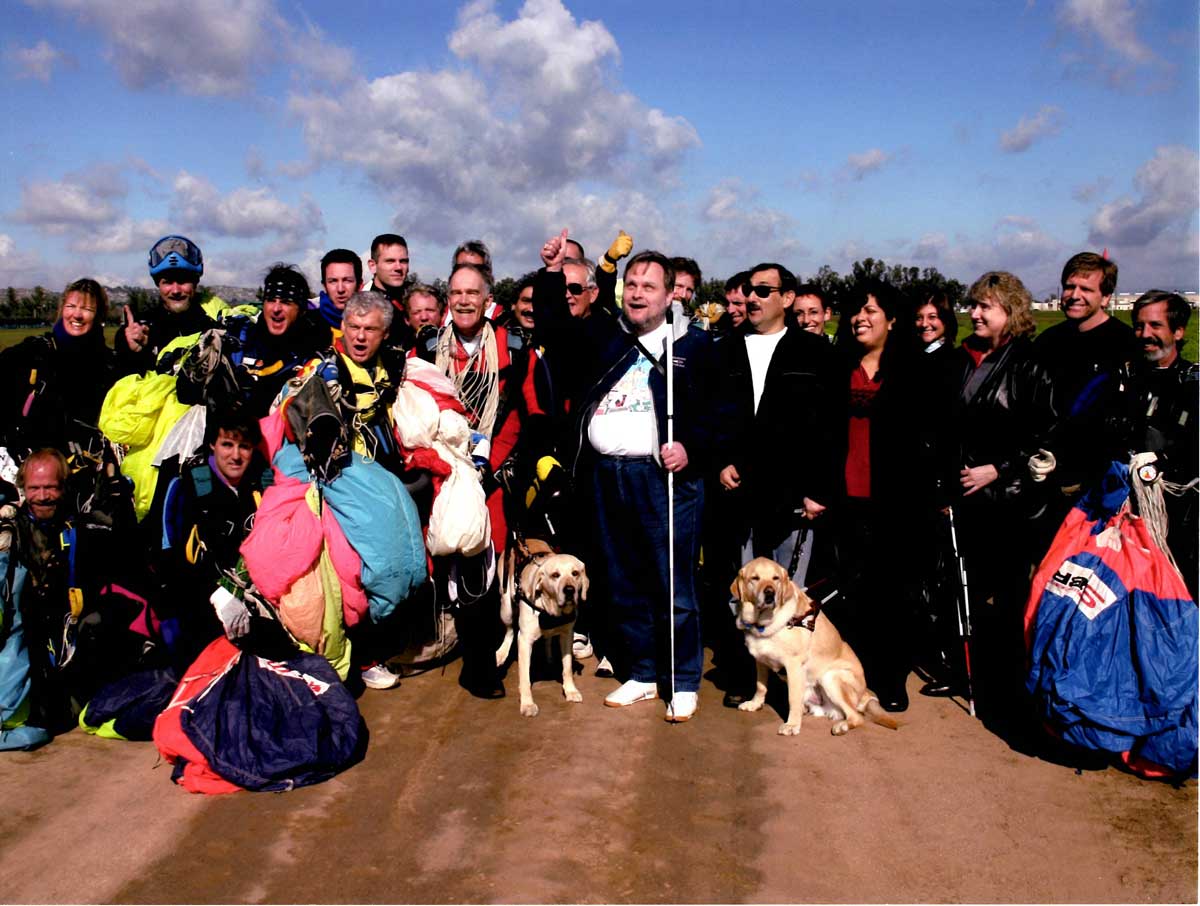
543, 590
784, 631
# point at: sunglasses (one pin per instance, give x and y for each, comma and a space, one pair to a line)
576, 289
762, 291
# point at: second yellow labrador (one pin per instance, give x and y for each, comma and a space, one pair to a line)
783, 631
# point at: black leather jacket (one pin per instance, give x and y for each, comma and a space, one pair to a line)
1005, 420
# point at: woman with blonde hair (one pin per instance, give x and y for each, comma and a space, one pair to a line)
1001, 414
52, 386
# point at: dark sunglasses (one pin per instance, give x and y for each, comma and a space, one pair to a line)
575, 289
762, 291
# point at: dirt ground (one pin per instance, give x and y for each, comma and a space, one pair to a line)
462, 800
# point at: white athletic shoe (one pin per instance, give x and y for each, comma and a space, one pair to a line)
379, 677
630, 692
581, 647
682, 707
604, 668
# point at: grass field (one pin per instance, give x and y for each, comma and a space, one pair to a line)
1043, 318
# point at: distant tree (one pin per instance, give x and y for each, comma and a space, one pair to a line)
10, 300
711, 290
504, 293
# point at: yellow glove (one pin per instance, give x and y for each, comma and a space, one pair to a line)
621, 247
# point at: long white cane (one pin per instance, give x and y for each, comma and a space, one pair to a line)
671, 491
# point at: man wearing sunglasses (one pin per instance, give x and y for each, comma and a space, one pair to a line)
175, 267
580, 274
775, 445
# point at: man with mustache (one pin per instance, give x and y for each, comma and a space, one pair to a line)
176, 266
1164, 403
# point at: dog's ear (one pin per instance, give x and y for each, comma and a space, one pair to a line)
584, 582
736, 590
549, 590
792, 593
529, 579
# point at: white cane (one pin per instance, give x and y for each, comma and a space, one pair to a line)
671, 492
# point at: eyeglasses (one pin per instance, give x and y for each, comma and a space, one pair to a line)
762, 291
576, 289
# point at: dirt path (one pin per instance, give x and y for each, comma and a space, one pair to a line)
461, 800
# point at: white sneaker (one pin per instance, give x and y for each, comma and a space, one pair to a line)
682, 707
581, 647
380, 677
631, 692
604, 668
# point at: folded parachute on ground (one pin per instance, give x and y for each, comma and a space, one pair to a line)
239, 721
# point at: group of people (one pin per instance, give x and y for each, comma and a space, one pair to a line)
588, 408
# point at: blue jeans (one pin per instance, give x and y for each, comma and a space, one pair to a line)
630, 496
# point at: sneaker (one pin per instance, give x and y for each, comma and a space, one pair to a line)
379, 677
682, 707
604, 669
631, 692
581, 647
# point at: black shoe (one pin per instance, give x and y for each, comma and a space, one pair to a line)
734, 699
894, 701
483, 684
940, 689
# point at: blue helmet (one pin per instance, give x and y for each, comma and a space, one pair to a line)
175, 253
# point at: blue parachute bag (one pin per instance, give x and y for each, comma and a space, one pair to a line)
1112, 636
15, 681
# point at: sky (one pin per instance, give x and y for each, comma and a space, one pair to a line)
966, 135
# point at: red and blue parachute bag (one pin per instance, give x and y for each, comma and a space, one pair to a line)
241, 721
1111, 633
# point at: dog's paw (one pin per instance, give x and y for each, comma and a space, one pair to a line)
529, 710
841, 728
751, 705
574, 695
789, 729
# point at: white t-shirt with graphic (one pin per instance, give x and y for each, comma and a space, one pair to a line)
623, 423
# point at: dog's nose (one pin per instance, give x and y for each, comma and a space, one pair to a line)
769, 595
569, 592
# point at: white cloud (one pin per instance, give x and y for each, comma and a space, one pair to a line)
735, 226
1047, 121
62, 206
225, 43
859, 165
122, 236
1112, 22
198, 205
502, 144
36, 62
1088, 192
1168, 184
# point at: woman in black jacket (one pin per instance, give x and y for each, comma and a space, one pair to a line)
52, 386
1001, 413
888, 501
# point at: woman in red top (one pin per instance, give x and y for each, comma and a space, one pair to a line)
889, 500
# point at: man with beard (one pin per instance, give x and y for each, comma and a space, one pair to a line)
1164, 410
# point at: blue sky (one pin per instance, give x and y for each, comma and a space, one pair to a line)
964, 135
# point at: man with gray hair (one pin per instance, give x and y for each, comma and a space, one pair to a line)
580, 274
